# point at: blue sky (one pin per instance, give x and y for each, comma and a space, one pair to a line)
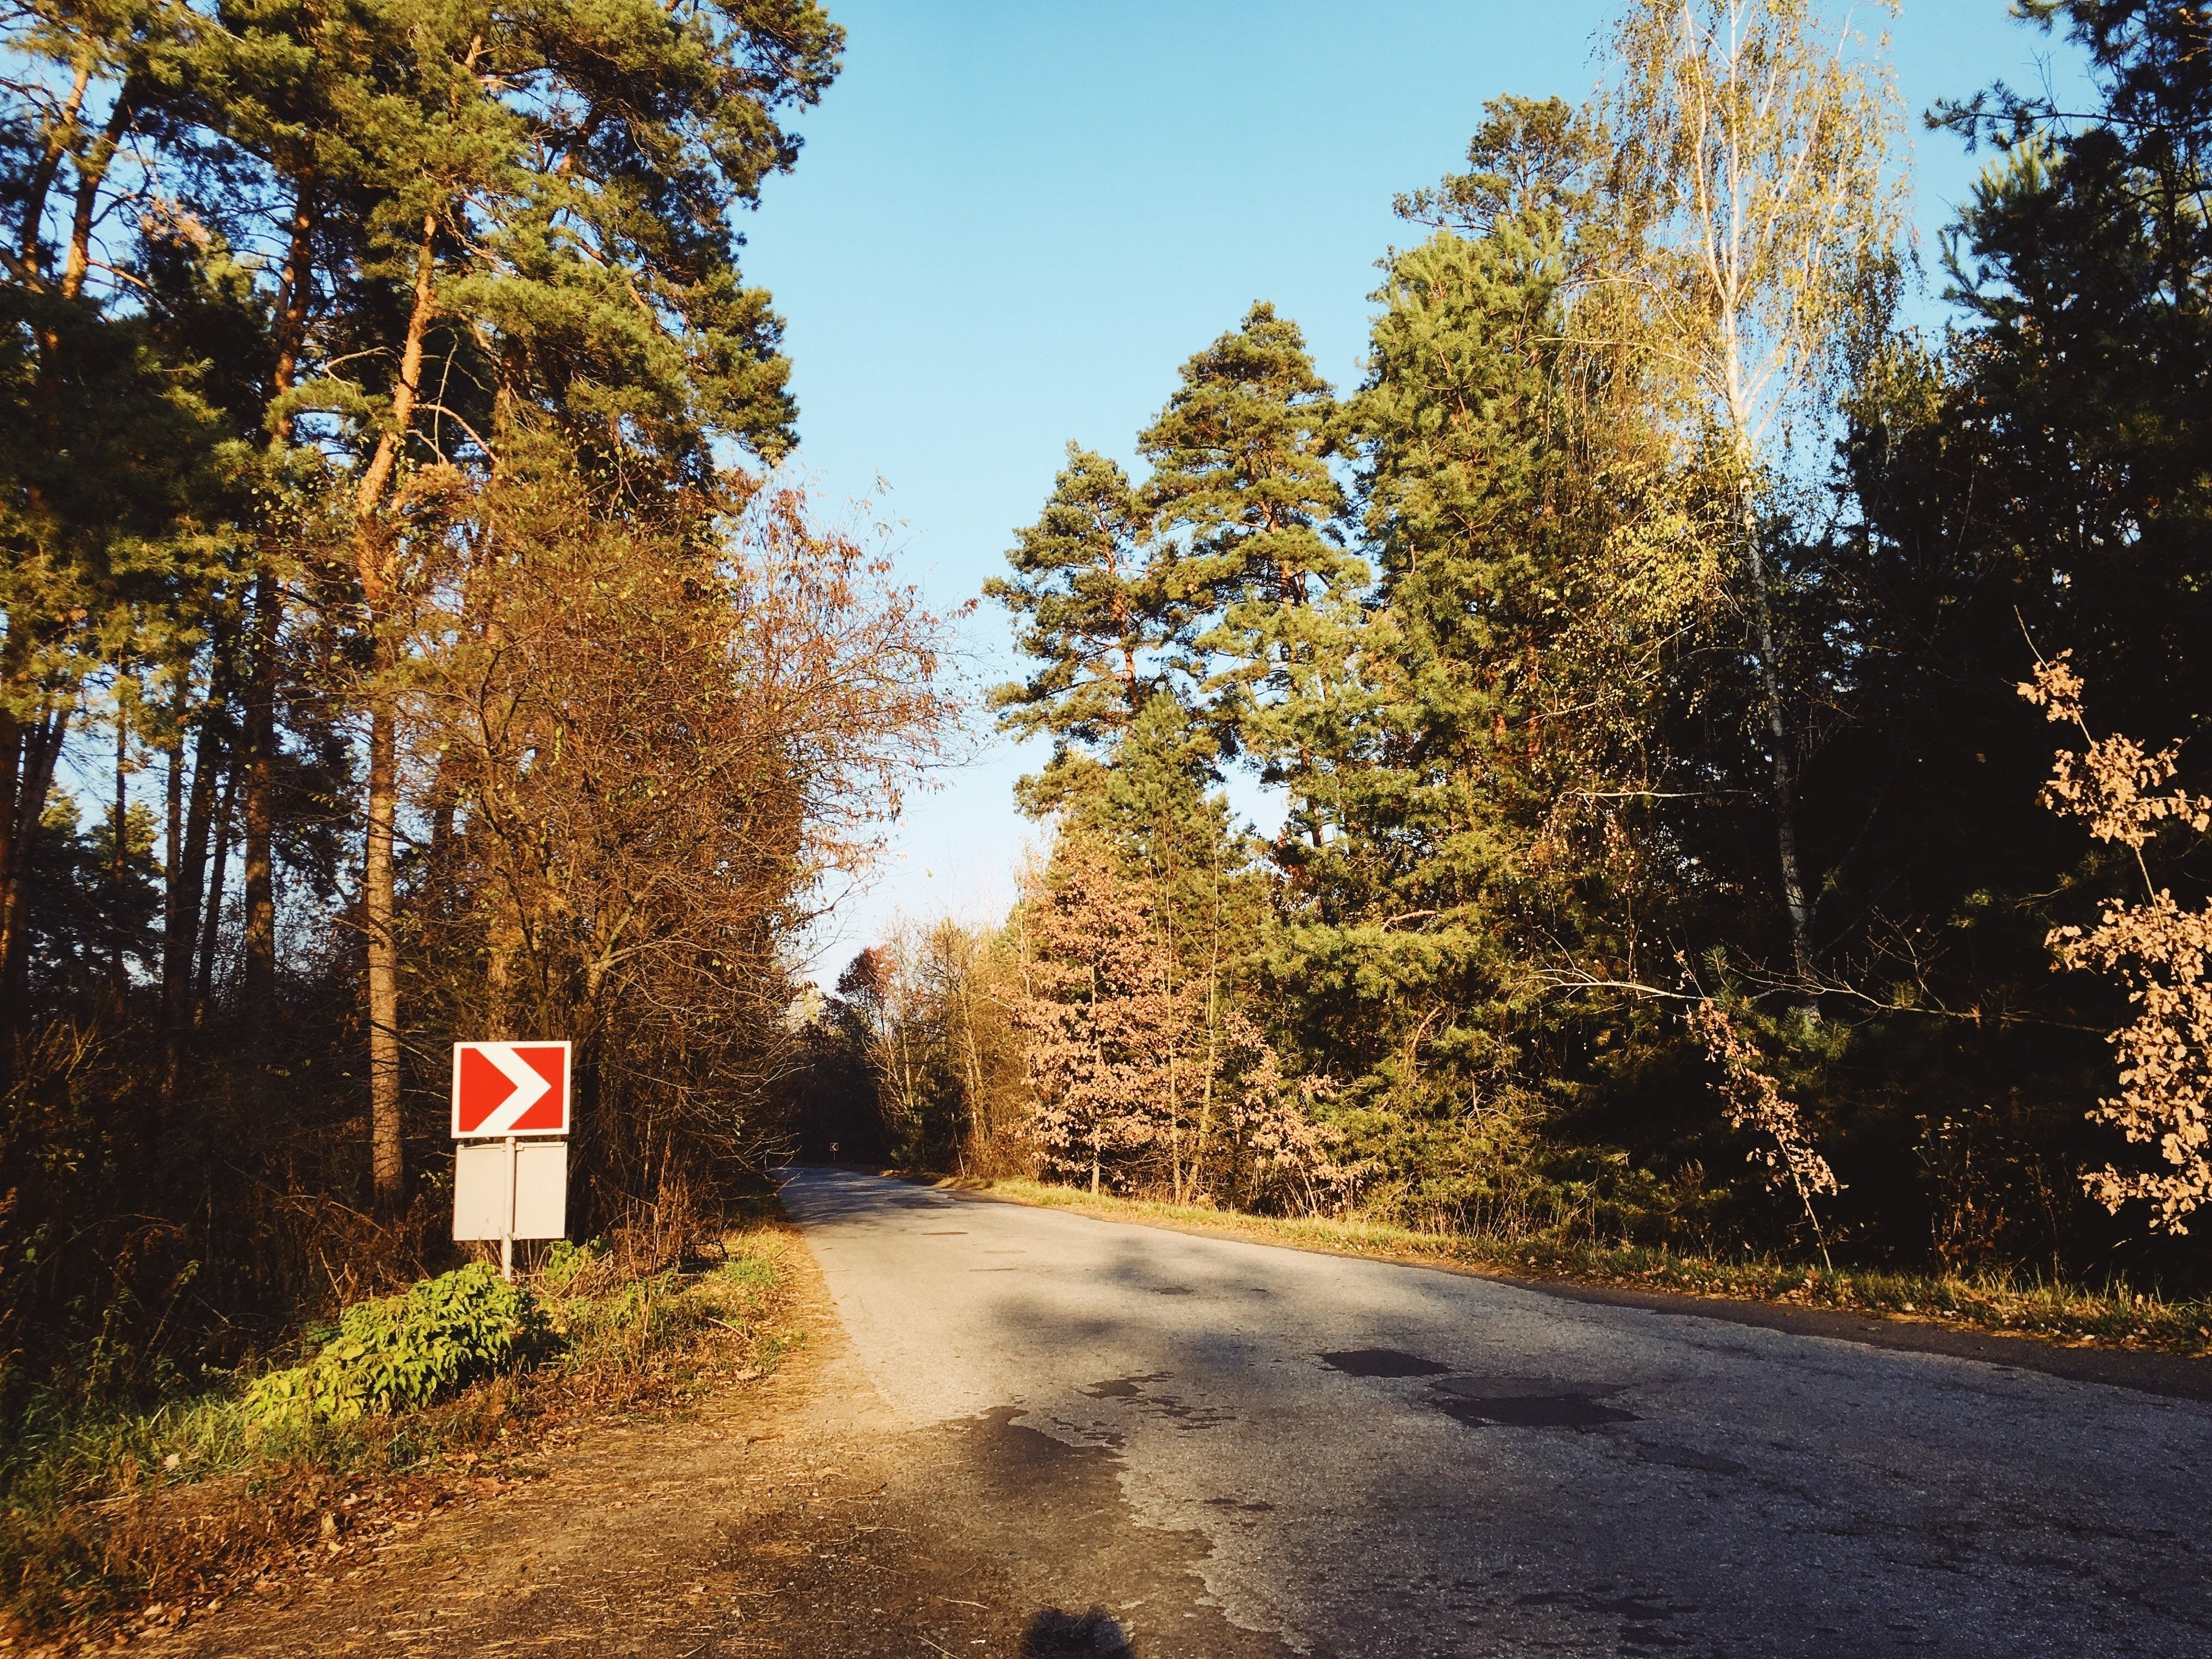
1012, 222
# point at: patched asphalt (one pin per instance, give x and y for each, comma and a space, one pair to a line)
1153, 1443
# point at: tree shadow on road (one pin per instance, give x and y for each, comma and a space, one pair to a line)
1093, 1635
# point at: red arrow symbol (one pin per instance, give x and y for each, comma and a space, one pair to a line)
510, 1087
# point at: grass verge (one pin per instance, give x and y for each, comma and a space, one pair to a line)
118, 1523
2114, 1318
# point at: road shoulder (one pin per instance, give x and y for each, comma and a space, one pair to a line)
2171, 1376
794, 1515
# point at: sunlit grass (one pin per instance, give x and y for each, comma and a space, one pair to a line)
2114, 1317
175, 1501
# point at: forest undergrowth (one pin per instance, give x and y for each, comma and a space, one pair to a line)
2006, 1302
119, 1519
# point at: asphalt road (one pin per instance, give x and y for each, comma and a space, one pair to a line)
1355, 1458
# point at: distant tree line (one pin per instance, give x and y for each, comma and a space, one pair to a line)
1637, 652
401, 641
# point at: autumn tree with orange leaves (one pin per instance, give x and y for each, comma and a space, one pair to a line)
638, 754
2159, 951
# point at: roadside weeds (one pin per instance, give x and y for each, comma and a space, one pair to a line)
119, 1525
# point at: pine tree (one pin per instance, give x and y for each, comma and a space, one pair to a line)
118, 467
1243, 491
522, 223
1477, 775
1090, 598
1207, 614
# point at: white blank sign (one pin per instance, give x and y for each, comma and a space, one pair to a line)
541, 1189
511, 1192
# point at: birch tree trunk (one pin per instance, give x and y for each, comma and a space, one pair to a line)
1759, 225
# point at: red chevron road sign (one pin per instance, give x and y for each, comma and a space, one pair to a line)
510, 1088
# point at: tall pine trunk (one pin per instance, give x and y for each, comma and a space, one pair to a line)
260, 941
379, 908
293, 288
29, 750
187, 881
378, 897
119, 848
179, 912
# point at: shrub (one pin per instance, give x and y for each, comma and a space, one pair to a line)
567, 1262
398, 1353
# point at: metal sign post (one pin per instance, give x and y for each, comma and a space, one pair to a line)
506, 1187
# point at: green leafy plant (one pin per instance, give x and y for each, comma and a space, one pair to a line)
568, 1262
398, 1353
